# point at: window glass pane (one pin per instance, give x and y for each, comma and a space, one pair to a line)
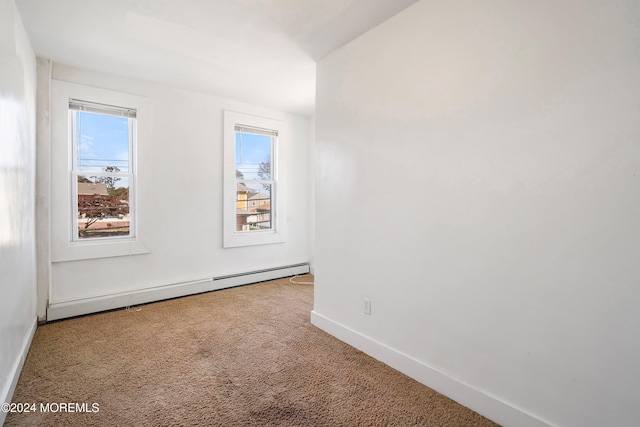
253, 206
253, 156
102, 142
103, 206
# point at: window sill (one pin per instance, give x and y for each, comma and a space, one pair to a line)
236, 240
74, 251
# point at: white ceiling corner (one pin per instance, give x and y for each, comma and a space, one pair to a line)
256, 51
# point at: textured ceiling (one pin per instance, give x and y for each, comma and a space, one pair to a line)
256, 51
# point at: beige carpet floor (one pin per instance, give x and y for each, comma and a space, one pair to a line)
246, 356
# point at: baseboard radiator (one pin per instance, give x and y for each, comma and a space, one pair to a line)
66, 309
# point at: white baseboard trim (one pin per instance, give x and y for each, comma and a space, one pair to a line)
12, 380
489, 406
66, 309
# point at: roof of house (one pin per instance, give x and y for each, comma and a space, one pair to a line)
260, 196
264, 207
89, 188
241, 187
244, 212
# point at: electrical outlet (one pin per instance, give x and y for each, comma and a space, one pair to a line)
366, 307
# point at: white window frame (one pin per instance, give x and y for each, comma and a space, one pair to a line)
64, 196
231, 237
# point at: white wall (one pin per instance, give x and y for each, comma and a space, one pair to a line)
312, 198
17, 194
184, 163
478, 177
43, 184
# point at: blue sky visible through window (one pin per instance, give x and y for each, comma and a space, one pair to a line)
103, 142
252, 151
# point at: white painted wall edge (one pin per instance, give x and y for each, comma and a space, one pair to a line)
10, 386
484, 404
62, 310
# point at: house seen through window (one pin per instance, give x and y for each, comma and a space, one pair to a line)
102, 171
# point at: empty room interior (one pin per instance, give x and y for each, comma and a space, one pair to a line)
443, 191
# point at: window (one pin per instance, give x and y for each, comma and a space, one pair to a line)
99, 157
102, 175
253, 200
